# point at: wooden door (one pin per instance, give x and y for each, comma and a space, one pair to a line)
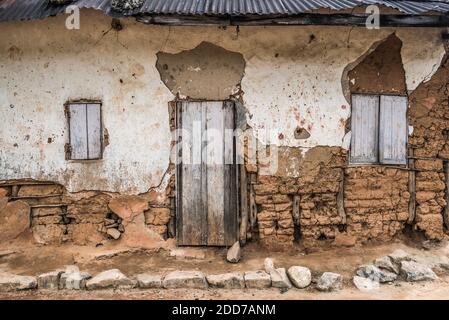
206, 178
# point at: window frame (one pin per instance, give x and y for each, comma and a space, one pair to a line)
68, 145
378, 162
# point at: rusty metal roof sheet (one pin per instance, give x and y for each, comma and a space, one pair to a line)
39, 9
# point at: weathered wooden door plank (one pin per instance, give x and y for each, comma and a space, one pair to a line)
215, 179
230, 176
194, 228
207, 212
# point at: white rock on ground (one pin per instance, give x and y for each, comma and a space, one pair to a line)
279, 279
185, 279
149, 281
301, 277
49, 280
376, 274
12, 282
113, 278
232, 280
188, 253
434, 261
365, 284
399, 255
329, 281
269, 265
73, 279
257, 279
386, 263
114, 233
414, 271
234, 253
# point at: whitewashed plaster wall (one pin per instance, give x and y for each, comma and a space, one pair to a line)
291, 78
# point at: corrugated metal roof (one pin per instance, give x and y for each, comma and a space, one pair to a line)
39, 9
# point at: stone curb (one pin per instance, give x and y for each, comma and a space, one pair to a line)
296, 277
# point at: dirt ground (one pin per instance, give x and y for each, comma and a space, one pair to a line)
34, 260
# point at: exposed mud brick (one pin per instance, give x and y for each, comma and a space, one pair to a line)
381, 71
14, 220
434, 165
97, 204
283, 206
86, 218
431, 224
40, 190
286, 224
268, 206
49, 234
288, 189
48, 220
161, 230
430, 185
85, 234
263, 199
376, 202
282, 215
127, 207
267, 216
157, 216
286, 232
157, 198
267, 224
280, 198
266, 189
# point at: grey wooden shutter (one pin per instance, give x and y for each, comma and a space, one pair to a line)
393, 130
78, 132
85, 131
94, 145
364, 128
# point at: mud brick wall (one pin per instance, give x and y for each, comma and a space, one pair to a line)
317, 189
376, 202
275, 219
55, 216
429, 116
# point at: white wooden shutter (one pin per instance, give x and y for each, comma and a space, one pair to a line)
78, 132
393, 130
364, 128
85, 131
94, 149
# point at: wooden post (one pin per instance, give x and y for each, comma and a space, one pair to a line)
252, 204
243, 204
14, 190
411, 188
171, 228
296, 210
446, 208
341, 198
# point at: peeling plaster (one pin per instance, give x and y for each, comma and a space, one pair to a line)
206, 72
289, 81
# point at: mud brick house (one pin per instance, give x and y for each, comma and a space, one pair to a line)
338, 132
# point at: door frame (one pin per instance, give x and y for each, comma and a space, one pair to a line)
178, 172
